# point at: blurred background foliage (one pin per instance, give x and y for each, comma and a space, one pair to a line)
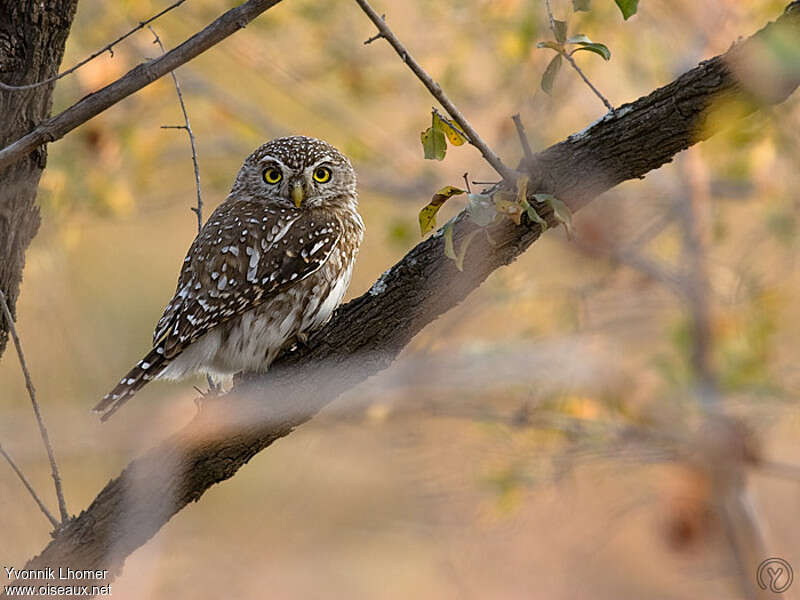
485, 463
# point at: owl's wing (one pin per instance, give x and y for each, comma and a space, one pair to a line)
245, 255
184, 279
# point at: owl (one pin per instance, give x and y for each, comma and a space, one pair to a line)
269, 266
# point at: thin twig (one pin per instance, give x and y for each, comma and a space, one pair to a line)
550, 16
107, 48
30, 489
140, 76
377, 36
597, 93
62, 506
523, 138
437, 92
198, 210
572, 62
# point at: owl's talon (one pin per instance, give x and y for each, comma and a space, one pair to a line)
214, 389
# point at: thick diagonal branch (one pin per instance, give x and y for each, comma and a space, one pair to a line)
367, 334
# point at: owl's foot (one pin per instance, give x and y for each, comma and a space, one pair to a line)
214, 389
300, 340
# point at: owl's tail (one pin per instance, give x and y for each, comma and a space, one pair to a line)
148, 368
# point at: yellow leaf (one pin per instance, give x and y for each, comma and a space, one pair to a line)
454, 134
522, 188
427, 216
511, 209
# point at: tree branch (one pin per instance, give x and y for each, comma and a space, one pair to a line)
436, 91
57, 127
187, 126
572, 62
366, 335
62, 505
29, 487
107, 48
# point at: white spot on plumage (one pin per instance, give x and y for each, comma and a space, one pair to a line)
222, 282
255, 256
316, 247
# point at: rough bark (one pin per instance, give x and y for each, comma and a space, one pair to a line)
366, 335
32, 39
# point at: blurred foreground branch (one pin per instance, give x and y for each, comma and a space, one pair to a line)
367, 334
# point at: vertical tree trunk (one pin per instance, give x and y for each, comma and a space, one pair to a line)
32, 38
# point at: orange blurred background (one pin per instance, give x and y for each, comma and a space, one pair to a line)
487, 462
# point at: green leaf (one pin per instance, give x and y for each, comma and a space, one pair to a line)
427, 216
433, 143
578, 38
449, 248
481, 209
581, 5
628, 7
550, 73
542, 198
600, 49
560, 30
533, 215
453, 133
449, 251
551, 45
462, 252
562, 214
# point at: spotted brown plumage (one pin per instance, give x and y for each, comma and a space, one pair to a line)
269, 266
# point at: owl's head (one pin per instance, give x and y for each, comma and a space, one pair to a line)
297, 172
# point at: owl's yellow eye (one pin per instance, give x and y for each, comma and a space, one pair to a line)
322, 174
273, 175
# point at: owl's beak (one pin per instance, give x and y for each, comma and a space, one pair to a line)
298, 193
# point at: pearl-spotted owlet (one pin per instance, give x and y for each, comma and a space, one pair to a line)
269, 266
